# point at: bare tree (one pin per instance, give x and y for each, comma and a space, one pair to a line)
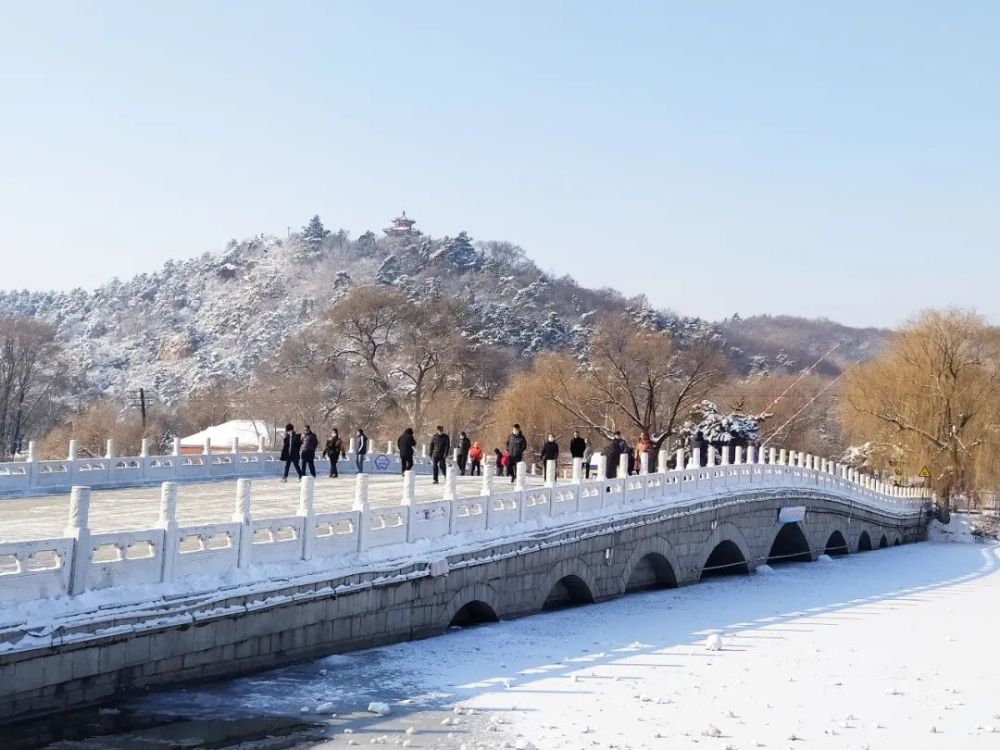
403, 354
27, 376
637, 379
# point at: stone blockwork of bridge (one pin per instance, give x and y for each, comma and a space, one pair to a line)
660, 543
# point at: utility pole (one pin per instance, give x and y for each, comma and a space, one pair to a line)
143, 399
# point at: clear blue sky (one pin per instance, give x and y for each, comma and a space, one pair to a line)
822, 159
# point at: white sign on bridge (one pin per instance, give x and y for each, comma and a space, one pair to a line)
794, 514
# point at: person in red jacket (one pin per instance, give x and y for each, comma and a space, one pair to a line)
476, 458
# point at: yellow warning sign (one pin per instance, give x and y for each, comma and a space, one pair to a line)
925, 473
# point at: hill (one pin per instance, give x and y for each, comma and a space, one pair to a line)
223, 315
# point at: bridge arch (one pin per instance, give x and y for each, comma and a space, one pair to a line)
570, 583
473, 605
836, 544
864, 541
653, 564
789, 545
725, 552
883, 542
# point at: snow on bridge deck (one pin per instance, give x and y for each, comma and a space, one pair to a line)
212, 502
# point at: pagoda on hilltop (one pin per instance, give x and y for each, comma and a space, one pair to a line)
402, 227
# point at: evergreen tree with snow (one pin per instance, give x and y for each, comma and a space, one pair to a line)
389, 270
314, 233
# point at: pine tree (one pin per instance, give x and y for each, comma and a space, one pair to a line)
314, 233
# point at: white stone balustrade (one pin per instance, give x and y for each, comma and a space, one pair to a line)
83, 561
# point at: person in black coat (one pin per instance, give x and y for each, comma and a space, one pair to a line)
309, 445
577, 446
517, 446
550, 452
291, 449
406, 444
333, 450
361, 449
614, 453
464, 445
440, 448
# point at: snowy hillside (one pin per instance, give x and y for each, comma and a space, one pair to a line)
224, 314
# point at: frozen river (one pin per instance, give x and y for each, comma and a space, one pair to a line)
884, 649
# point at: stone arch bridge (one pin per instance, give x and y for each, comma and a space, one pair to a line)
559, 545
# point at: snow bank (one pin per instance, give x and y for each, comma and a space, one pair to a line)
962, 529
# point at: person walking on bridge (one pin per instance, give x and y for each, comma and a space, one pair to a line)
463, 452
577, 446
309, 445
406, 444
644, 445
361, 449
291, 450
615, 450
517, 446
476, 456
333, 450
440, 448
550, 452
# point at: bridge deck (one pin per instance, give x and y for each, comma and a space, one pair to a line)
211, 502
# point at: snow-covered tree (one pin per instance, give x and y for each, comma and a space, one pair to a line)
314, 233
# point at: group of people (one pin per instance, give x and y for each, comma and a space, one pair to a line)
298, 451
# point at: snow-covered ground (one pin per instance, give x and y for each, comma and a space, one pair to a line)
887, 649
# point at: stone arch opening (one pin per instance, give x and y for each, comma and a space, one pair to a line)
569, 591
897, 542
472, 613
653, 571
836, 545
790, 545
883, 542
726, 560
864, 542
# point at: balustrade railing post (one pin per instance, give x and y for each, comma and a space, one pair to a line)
408, 501
110, 451
177, 446
78, 529
679, 460
751, 454
622, 466
167, 521
241, 515
361, 505
487, 482
577, 476
644, 462
73, 450
236, 444
521, 477
602, 467
550, 473
307, 511
662, 458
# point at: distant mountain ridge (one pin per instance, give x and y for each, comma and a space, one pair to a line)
223, 315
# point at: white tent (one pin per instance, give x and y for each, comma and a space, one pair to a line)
251, 433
